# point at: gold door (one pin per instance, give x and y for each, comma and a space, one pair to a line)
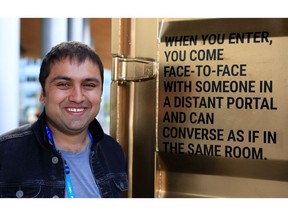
200, 106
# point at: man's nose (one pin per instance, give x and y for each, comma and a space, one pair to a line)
76, 94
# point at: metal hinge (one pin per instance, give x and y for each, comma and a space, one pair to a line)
133, 69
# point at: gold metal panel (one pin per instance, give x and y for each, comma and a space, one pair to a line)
133, 100
222, 109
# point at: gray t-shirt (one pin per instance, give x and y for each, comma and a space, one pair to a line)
83, 181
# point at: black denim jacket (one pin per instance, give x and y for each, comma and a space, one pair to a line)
31, 167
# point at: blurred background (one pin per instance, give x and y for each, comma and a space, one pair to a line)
23, 44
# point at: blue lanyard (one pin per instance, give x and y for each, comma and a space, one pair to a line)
69, 186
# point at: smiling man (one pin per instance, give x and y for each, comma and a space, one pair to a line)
65, 153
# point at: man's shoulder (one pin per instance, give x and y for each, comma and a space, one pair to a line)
110, 145
109, 139
19, 132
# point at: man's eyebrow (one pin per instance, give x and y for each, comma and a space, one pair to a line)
89, 79
92, 79
60, 78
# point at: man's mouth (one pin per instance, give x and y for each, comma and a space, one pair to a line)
75, 110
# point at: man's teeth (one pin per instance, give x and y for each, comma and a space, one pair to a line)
75, 109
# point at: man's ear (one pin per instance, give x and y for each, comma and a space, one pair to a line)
42, 97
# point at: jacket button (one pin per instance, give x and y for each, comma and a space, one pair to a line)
55, 160
55, 196
122, 185
19, 194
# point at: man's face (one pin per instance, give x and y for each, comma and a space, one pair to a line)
72, 95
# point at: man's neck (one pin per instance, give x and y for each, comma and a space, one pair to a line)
71, 143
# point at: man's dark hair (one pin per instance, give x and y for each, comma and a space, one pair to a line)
75, 51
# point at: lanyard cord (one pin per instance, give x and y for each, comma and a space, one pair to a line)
69, 186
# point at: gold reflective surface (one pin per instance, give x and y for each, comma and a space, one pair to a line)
213, 122
223, 109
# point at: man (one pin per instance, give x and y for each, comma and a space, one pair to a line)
65, 153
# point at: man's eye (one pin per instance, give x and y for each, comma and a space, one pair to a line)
63, 85
89, 85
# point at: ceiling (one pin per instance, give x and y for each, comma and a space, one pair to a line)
100, 33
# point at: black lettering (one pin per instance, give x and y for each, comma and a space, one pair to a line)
207, 55
187, 40
245, 152
205, 150
201, 118
251, 103
270, 137
174, 117
193, 133
177, 86
234, 70
177, 71
183, 102
226, 86
167, 102
171, 147
236, 137
248, 37
213, 39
